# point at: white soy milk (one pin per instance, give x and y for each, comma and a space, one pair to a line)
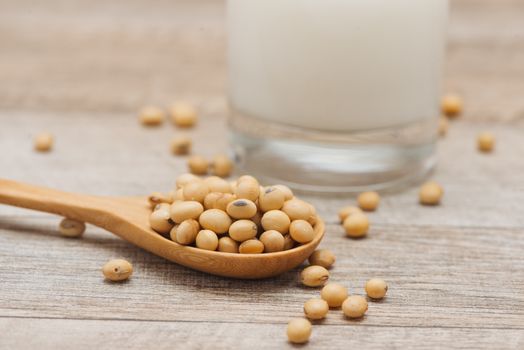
336, 65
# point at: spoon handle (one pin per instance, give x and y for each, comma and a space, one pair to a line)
104, 212
71, 205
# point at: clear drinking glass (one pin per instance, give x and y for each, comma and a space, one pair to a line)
335, 95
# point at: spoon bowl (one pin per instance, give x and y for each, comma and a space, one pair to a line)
128, 218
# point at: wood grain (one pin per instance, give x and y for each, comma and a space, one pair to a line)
82, 69
439, 277
86, 334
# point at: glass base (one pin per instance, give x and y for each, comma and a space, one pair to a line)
326, 162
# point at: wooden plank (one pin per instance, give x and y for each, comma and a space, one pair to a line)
85, 334
439, 277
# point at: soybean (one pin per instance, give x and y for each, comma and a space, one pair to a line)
289, 243
301, 231
275, 220
368, 201
355, 306
162, 206
183, 115
273, 241
170, 196
172, 233
181, 145
117, 270
298, 330
451, 105
251, 246
217, 184
242, 230
297, 209
221, 165
356, 225
257, 218
288, 194
312, 214
227, 245
430, 193
152, 116
376, 288
322, 257
157, 198
347, 211
186, 178
43, 142
215, 220
186, 232
316, 309
218, 200
212, 205
314, 276
485, 142
160, 219
181, 211
271, 198
247, 178
247, 188
179, 195
196, 191
71, 228
241, 209
206, 239
197, 165
334, 294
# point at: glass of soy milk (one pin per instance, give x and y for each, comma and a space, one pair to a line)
335, 95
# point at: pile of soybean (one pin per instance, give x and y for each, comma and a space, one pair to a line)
234, 217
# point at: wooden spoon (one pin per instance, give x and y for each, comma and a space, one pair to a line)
128, 218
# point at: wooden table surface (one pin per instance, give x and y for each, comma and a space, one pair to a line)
81, 70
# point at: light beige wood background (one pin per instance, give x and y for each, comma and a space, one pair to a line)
82, 68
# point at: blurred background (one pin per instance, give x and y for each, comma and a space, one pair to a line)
115, 56
82, 69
